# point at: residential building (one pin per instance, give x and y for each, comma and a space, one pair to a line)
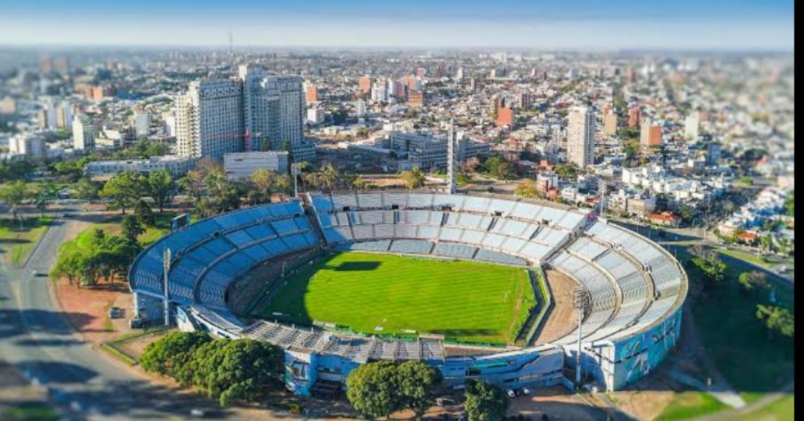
315, 115
364, 84
633, 117
30, 145
83, 133
650, 134
610, 124
691, 126
209, 119
415, 99
581, 136
360, 108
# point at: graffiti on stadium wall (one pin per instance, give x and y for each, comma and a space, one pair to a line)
300, 372
635, 357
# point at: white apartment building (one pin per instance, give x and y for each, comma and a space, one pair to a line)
691, 126
360, 108
244, 164
83, 133
142, 123
30, 145
209, 119
274, 109
315, 115
581, 136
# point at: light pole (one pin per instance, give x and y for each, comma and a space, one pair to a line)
295, 168
581, 301
166, 271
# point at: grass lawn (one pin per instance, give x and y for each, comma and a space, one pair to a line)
737, 341
17, 244
748, 257
113, 227
688, 405
464, 301
778, 410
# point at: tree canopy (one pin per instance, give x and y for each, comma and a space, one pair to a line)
484, 402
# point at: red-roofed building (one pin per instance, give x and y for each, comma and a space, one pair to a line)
668, 219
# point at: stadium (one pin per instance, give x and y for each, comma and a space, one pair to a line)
484, 287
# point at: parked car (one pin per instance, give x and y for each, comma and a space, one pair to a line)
115, 312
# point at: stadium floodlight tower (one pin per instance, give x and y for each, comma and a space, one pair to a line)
581, 300
166, 271
452, 158
295, 169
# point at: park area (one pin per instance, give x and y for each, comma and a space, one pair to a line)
399, 295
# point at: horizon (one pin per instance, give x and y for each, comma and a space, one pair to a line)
683, 25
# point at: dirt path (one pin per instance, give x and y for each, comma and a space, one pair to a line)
563, 318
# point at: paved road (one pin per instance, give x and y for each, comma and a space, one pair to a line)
36, 338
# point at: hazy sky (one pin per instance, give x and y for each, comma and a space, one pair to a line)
557, 24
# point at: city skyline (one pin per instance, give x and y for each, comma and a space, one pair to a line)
592, 24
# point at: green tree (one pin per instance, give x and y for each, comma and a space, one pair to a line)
778, 320
416, 381
712, 269
239, 370
751, 281
159, 186
132, 228
87, 190
373, 389
567, 171
484, 402
144, 214
506, 171
14, 194
168, 355
192, 184
263, 182
123, 189
44, 193
328, 177
414, 178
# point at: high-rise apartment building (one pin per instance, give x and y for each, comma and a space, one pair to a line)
650, 134
691, 126
581, 136
364, 84
311, 93
633, 117
415, 99
209, 119
360, 108
610, 123
256, 112
83, 133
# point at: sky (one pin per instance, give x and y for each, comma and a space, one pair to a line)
535, 24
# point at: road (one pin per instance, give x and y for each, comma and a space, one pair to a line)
36, 339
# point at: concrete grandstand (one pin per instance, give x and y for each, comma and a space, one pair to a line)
631, 320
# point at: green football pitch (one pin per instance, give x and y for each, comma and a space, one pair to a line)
390, 294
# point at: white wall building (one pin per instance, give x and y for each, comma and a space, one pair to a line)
315, 115
30, 145
581, 136
83, 133
243, 164
209, 119
175, 165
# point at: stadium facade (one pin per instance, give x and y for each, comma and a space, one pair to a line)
632, 318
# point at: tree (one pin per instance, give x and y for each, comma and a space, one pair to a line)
193, 184
414, 178
43, 194
484, 402
69, 267
132, 228
159, 186
144, 213
778, 320
218, 368
87, 190
328, 177
373, 389
528, 188
567, 171
123, 189
712, 269
506, 171
263, 182
14, 194
750, 281
416, 381
168, 355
